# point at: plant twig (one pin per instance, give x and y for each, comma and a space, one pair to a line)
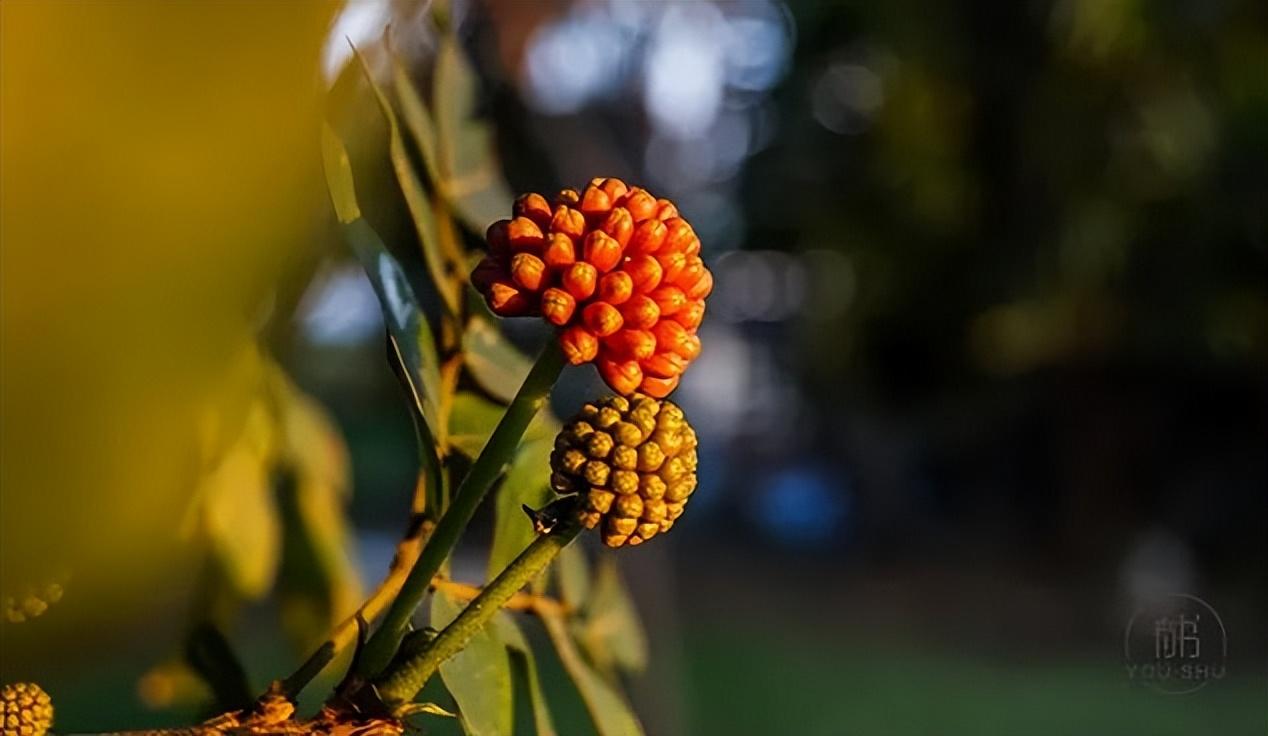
497, 452
403, 682
345, 632
522, 601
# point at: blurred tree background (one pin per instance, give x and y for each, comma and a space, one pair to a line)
985, 365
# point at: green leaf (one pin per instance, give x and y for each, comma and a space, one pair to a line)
612, 633
527, 482
517, 643
478, 677
416, 117
239, 512
410, 332
318, 585
471, 420
415, 199
471, 174
608, 710
339, 176
497, 365
574, 576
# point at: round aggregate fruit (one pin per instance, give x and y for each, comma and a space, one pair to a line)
632, 462
615, 269
28, 711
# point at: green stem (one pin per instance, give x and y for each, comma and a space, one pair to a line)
499, 451
400, 685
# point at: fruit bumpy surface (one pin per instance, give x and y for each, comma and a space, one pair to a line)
632, 462
615, 269
28, 711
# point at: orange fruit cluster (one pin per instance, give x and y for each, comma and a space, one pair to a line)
615, 269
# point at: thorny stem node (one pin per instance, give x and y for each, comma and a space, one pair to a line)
400, 685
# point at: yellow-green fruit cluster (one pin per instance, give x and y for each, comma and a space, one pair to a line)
28, 711
30, 603
632, 462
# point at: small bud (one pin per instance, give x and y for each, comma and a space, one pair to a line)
498, 238
596, 472
524, 235
595, 203
654, 511
572, 460
629, 435
669, 298
616, 287
692, 271
691, 315
702, 288
528, 271
679, 235
601, 318
507, 300
636, 344
629, 506
568, 197
558, 306
673, 263
640, 204
645, 271
579, 345
640, 312
665, 209
607, 417
625, 457
665, 364
486, 272
692, 346
672, 336
623, 376
613, 187
569, 222
599, 445
533, 206
624, 482
560, 252
659, 387
580, 280
619, 224
599, 501
602, 251
648, 237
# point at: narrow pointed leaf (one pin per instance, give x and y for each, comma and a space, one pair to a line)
417, 118
517, 643
471, 174
574, 576
339, 176
612, 633
497, 365
412, 344
471, 420
416, 200
608, 710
